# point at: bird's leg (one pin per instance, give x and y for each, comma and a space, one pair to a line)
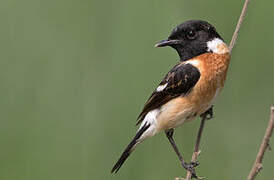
188, 167
208, 114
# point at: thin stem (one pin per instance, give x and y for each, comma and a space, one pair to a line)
257, 166
197, 145
239, 24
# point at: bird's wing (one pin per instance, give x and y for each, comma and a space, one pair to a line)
178, 82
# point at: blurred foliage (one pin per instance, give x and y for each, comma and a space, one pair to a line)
75, 74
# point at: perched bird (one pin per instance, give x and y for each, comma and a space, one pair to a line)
189, 89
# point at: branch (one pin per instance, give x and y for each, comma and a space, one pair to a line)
197, 145
239, 24
257, 166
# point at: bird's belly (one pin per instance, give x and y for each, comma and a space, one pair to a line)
184, 109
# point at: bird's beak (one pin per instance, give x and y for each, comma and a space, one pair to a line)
167, 42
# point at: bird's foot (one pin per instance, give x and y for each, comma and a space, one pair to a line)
195, 164
190, 167
208, 114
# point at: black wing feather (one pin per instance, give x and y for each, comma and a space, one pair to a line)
180, 80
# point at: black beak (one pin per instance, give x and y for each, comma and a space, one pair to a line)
167, 42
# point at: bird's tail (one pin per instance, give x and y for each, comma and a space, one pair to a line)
136, 140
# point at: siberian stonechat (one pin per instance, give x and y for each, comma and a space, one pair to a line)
189, 89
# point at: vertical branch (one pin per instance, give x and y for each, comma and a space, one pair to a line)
197, 145
239, 24
257, 166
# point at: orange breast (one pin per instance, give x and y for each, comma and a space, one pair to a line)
213, 68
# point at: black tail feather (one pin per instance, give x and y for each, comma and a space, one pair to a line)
129, 149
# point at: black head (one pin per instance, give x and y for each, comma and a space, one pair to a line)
190, 38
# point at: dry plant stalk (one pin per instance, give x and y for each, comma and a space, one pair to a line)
197, 145
239, 24
231, 45
257, 166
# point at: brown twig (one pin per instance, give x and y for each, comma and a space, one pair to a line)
231, 45
239, 24
197, 145
257, 166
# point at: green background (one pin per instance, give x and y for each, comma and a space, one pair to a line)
75, 74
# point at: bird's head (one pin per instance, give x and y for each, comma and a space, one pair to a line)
194, 37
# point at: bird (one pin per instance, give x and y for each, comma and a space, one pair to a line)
189, 90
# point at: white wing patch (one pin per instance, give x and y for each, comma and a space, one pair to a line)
161, 87
193, 62
217, 46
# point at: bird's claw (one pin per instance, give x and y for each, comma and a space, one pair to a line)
208, 114
195, 164
190, 167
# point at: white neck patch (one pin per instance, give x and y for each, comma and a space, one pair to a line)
217, 46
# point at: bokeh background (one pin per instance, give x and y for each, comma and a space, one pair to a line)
75, 74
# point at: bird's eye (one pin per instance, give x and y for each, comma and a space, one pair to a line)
191, 35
